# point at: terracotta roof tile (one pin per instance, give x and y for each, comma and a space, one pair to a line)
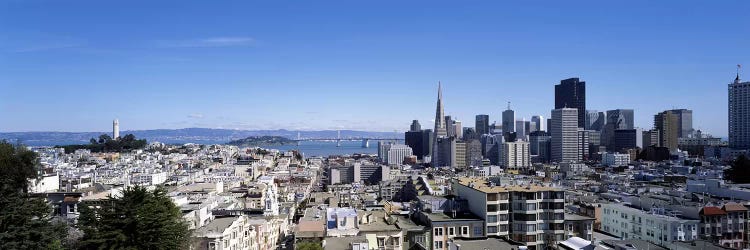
732, 206
712, 211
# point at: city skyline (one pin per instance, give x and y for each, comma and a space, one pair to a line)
258, 71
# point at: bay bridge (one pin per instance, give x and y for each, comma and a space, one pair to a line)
365, 140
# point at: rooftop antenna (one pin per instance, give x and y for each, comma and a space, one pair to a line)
508, 105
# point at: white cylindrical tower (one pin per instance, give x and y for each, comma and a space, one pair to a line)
115, 129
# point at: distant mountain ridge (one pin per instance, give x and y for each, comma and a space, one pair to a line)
185, 135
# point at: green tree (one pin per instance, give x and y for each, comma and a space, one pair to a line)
138, 219
739, 172
308, 245
25, 222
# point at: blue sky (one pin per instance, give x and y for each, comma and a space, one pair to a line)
370, 65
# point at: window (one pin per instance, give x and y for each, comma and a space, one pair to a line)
502, 217
492, 197
381, 242
491, 218
397, 241
464, 230
212, 246
438, 245
491, 208
492, 229
478, 231
503, 228
452, 231
438, 231
420, 239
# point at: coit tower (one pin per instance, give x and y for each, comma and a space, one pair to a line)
115, 129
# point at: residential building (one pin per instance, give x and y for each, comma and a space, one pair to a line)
615, 159
224, 233
515, 156
579, 226
739, 114
341, 222
658, 226
725, 225
530, 214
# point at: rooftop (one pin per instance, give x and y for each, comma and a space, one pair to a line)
437, 217
483, 185
575, 217
218, 225
489, 243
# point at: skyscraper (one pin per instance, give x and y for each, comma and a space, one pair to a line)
521, 130
620, 118
540, 123
415, 126
616, 119
482, 124
458, 129
564, 131
739, 114
571, 93
509, 120
595, 120
440, 129
450, 130
115, 129
415, 139
667, 124
685, 119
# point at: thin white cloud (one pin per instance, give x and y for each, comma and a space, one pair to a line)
209, 42
196, 116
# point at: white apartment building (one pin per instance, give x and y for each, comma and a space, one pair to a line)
658, 227
224, 234
537, 212
615, 159
515, 155
397, 153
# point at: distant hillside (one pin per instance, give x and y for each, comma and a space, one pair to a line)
186, 135
253, 141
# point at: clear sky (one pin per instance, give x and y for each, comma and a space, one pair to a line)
369, 65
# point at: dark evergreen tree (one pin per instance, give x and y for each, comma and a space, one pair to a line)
25, 222
139, 219
739, 171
